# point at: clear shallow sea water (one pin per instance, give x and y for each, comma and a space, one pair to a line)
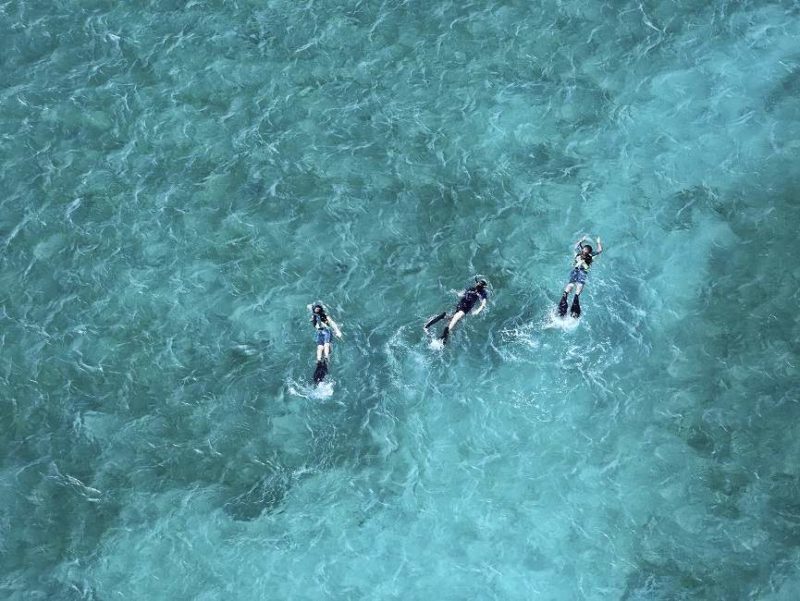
178, 180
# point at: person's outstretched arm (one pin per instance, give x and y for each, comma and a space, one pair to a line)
481, 308
579, 244
335, 328
599, 246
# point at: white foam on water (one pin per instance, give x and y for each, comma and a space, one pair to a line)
553, 321
436, 344
322, 391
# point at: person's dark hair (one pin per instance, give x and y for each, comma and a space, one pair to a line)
321, 313
589, 258
479, 283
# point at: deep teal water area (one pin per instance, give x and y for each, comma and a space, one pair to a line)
179, 180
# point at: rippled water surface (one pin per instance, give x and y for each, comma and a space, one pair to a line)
179, 180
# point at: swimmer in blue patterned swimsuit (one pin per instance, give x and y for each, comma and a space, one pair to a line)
577, 277
323, 325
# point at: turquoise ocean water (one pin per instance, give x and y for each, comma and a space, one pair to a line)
179, 180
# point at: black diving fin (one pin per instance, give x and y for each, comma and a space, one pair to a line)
435, 319
563, 306
575, 311
320, 371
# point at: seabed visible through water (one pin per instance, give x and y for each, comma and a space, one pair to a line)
179, 180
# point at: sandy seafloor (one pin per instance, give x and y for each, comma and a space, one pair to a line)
178, 180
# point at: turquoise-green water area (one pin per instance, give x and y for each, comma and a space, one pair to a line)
179, 180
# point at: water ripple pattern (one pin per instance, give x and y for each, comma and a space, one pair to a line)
180, 179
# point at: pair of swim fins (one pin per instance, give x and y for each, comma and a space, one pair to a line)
446, 332
575, 311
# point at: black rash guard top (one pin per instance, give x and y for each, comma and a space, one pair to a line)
470, 298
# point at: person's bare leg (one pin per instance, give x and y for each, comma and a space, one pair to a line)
455, 319
568, 288
578, 289
319, 353
327, 350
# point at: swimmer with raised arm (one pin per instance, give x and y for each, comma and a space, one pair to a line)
577, 277
323, 326
466, 302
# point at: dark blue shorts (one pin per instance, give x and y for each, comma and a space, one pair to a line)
322, 336
577, 276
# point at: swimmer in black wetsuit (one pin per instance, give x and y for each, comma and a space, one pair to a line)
468, 299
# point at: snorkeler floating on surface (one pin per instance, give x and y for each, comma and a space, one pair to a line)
577, 277
323, 326
468, 299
